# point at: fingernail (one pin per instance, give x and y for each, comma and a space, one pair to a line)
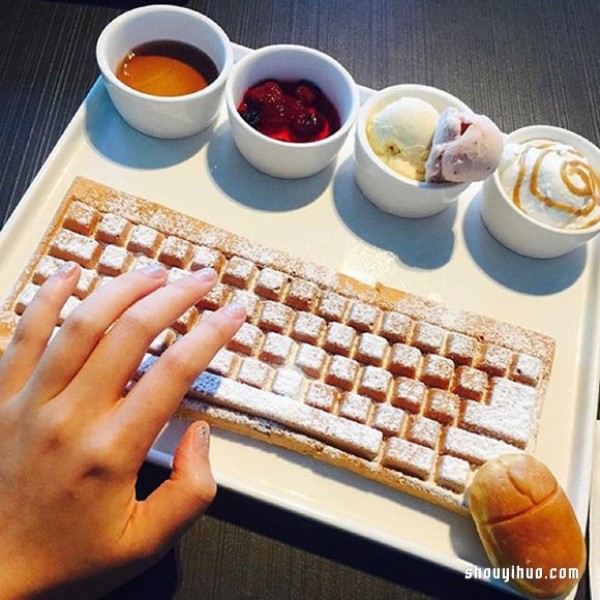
235, 311
206, 274
153, 270
202, 437
68, 270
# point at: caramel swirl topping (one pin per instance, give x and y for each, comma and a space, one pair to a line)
575, 173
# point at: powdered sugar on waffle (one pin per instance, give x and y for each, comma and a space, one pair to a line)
392, 386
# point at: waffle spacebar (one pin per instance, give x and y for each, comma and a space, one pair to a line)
344, 434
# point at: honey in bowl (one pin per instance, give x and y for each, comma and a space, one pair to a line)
167, 68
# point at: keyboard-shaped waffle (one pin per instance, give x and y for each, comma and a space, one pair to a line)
391, 386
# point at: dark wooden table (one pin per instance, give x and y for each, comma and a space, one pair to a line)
519, 61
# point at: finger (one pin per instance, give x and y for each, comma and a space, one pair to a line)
158, 393
87, 324
118, 354
35, 329
178, 502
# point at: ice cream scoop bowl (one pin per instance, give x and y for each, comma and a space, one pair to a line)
517, 230
388, 190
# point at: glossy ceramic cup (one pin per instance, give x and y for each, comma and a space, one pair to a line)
290, 62
514, 228
388, 190
160, 116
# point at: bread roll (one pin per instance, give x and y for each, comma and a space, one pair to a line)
527, 525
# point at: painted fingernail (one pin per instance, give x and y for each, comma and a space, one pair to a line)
235, 311
153, 270
207, 274
202, 437
68, 269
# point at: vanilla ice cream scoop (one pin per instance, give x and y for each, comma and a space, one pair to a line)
551, 182
466, 147
401, 135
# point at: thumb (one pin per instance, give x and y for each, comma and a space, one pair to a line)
180, 500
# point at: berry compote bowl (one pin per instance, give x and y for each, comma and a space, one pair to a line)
290, 109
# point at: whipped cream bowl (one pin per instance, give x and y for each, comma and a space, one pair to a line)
543, 200
407, 136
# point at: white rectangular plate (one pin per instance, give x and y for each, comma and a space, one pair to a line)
325, 219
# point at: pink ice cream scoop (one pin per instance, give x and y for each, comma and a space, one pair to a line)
466, 147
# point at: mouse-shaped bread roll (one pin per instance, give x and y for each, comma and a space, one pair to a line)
527, 525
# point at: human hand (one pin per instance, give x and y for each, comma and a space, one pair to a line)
71, 442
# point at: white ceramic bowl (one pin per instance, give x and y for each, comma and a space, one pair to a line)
388, 190
159, 116
517, 230
290, 62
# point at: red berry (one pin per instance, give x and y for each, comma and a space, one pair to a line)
274, 116
307, 93
307, 124
268, 92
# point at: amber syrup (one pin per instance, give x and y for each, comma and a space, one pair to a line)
167, 68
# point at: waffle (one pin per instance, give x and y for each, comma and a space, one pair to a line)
391, 386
